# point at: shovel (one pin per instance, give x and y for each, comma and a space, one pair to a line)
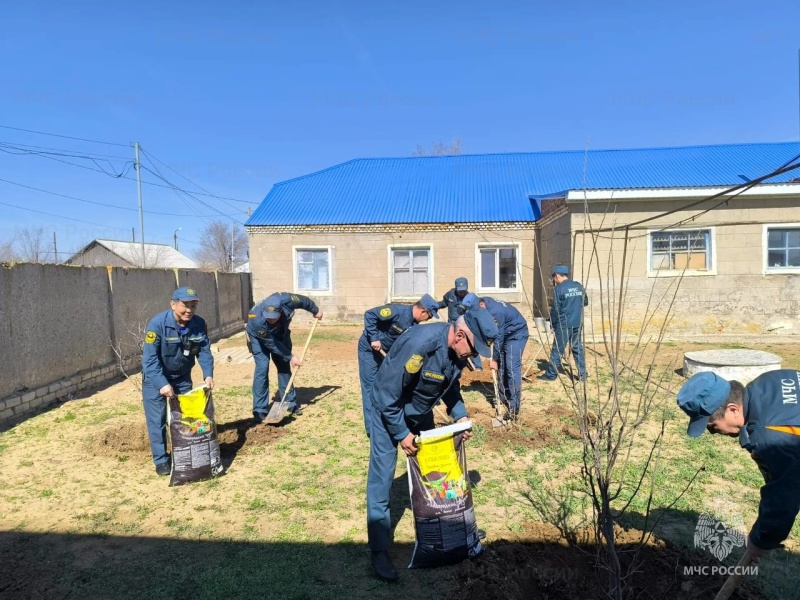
278, 410
497, 421
733, 580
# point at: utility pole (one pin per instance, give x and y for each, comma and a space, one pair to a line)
138, 166
133, 234
55, 248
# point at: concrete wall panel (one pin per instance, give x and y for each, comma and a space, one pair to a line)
205, 285
55, 322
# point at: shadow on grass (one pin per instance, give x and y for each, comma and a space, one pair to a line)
56, 566
89, 567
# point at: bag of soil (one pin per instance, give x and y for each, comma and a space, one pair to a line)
193, 433
441, 499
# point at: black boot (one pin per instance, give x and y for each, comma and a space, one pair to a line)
383, 567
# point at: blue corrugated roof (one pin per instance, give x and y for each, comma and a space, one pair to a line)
496, 187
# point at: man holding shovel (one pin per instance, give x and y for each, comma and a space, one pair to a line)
507, 350
269, 335
425, 365
765, 416
453, 297
566, 317
382, 326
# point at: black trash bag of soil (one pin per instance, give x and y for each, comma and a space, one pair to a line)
441, 499
193, 433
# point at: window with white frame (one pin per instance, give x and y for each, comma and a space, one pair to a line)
313, 269
410, 271
783, 248
498, 267
685, 249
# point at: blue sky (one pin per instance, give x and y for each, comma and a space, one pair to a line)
237, 97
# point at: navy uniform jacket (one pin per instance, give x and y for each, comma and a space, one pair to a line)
276, 337
771, 399
568, 303
384, 324
419, 370
451, 301
509, 323
168, 355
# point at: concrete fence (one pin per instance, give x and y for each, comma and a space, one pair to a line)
63, 329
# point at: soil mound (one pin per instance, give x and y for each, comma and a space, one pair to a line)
534, 571
241, 435
122, 440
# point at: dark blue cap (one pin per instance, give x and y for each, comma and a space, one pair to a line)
561, 270
184, 294
462, 285
470, 300
699, 397
429, 304
272, 307
483, 329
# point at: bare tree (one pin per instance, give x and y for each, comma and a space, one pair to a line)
222, 246
7, 252
31, 244
439, 149
622, 409
156, 256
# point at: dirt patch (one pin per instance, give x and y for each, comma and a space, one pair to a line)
549, 569
240, 436
122, 440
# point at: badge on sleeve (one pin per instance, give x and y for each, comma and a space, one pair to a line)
150, 337
295, 298
414, 364
386, 312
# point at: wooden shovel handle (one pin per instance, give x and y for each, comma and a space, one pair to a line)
302, 357
733, 580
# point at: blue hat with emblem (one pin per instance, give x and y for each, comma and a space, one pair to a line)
185, 294
430, 305
699, 397
470, 300
483, 329
561, 270
462, 285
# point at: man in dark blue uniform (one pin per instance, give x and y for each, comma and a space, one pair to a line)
269, 335
453, 298
507, 349
174, 339
382, 326
424, 365
765, 416
566, 318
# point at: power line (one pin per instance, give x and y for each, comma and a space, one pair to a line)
151, 157
41, 212
175, 187
123, 175
48, 156
116, 206
68, 137
64, 150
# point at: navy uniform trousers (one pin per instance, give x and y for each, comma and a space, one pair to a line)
261, 356
564, 336
369, 361
511, 369
155, 414
382, 465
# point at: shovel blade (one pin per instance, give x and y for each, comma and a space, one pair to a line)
276, 413
498, 422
